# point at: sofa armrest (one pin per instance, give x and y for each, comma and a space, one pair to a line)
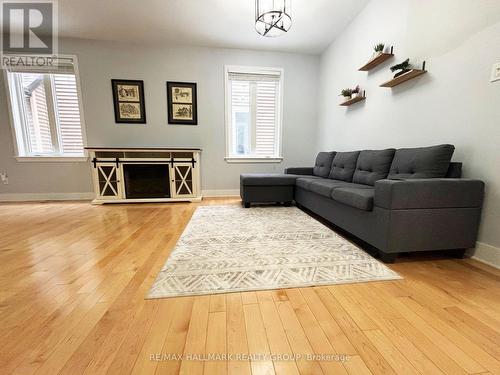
306, 171
428, 193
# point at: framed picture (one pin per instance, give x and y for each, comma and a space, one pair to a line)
128, 98
182, 105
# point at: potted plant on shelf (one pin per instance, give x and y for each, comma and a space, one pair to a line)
379, 49
356, 92
346, 93
402, 67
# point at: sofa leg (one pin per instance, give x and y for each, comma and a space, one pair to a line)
458, 253
246, 204
387, 257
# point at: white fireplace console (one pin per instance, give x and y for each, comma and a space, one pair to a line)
123, 175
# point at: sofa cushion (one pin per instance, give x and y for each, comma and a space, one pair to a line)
303, 171
325, 186
361, 198
323, 164
373, 165
423, 162
304, 182
454, 170
267, 179
343, 165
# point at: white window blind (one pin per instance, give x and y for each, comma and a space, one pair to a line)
46, 111
253, 114
68, 114
266, 118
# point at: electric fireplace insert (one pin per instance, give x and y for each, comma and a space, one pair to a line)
146, 181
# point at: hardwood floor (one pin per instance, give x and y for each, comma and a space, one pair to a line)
73, 279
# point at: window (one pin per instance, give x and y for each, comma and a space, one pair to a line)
46, 110
253, 114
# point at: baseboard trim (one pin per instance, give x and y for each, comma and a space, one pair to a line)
487, 254
221, 193
30, 197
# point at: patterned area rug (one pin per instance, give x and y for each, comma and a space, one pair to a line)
231, 249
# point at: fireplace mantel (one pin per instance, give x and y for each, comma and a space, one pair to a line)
145, 174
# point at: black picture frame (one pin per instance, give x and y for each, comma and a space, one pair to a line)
182, 104
118, 103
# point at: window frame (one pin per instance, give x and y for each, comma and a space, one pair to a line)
20, 145
229, 158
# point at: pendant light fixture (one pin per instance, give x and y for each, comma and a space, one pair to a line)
272, 17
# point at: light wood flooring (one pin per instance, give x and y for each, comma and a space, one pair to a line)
73, 278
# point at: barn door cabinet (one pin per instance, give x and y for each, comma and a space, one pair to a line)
145, 174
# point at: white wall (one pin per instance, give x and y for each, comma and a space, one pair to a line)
453, 103
99, 62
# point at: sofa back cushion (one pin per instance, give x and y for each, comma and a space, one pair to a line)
422, 162
373, 165
454, 170
343, 165
323, 164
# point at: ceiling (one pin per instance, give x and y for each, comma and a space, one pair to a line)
212, 23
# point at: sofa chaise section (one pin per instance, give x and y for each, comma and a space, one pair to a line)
267, 188
274, 187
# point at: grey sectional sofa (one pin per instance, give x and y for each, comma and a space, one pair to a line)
411, 199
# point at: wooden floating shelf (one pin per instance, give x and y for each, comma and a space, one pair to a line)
353, 100
405, 77
375, 61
